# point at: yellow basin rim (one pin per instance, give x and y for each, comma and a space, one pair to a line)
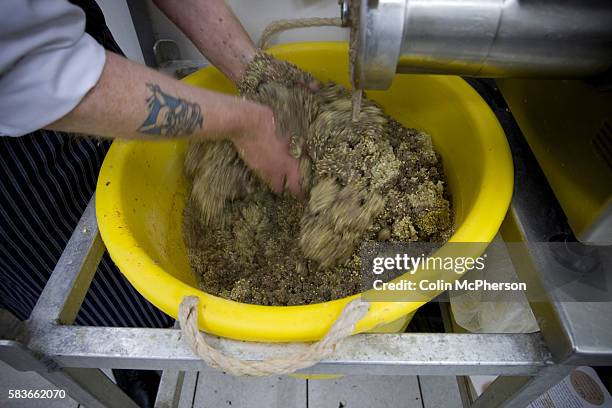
291, 323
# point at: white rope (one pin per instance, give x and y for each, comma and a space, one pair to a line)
342, 328
282, 25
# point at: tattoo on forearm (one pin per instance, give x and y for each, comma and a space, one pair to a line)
169, 115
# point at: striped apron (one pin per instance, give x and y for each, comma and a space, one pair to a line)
46, 181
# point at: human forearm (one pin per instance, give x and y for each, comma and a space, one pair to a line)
134, 102
216, 32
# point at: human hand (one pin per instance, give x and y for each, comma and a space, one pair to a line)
267, 153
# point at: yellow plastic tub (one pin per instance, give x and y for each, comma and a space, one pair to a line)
141, 194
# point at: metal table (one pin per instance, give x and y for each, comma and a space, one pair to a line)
71, 356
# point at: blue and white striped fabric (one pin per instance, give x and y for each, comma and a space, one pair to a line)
46, 181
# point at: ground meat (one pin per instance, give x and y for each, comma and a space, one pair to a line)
366, 180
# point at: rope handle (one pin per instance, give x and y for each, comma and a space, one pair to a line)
342, 328
282, 25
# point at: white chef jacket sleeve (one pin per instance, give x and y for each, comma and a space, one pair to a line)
47, 63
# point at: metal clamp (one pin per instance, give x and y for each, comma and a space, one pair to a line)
380, 35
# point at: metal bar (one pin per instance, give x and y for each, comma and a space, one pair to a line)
463, 382
405, 353
169, 391
465, 390
88, 386
447, 317
188, 392
518, 392
65, 290
170, 386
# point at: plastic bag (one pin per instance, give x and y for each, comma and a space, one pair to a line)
482, 311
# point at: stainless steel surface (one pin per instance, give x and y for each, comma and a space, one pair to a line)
519, 392
170, 387
488, 38
379, 43
190, 384
466, 391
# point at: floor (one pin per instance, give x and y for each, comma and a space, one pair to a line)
215, 389
11, 379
